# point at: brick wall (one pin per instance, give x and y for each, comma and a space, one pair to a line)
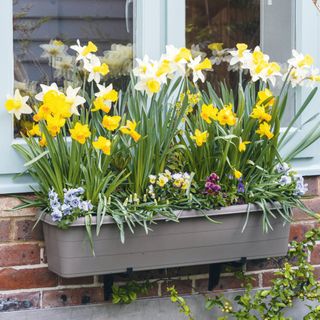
26, 281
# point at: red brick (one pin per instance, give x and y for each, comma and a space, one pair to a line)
225, 283
25, 230
313, 185
5, 227
19, 254
75, 281
298, 230
9, 203
12, 279
153, 291
317, 273
315, 255
264, 264
182, 286
72, 297
26, 300
312, 204
267, 278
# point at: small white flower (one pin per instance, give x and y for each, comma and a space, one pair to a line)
74, 99
17, 104
197, 66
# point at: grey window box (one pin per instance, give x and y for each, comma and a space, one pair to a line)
192, 241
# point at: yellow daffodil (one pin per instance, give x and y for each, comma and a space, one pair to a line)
80, 132
200, 137
95, 69
84, 52
227, 116
238, 55
164, 68
43, 141
89, 48
260, 114
17, 104
243, 145
130, 129
183, 54
105, 97
265, 95
35, 131
111, 123
209, 112
216, 46
54, 124
103, 69
103, 144
265, 130
237, 174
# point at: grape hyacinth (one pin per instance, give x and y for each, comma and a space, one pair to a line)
71, 201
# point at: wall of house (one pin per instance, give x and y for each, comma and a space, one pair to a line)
26, 282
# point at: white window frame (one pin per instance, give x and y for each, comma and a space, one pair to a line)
157, 23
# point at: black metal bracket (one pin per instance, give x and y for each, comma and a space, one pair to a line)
215, 272
108, 281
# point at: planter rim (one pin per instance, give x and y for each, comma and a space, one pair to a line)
181, 214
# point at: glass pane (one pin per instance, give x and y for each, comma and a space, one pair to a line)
223, 23
107, 23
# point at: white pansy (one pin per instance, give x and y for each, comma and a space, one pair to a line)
74, 99
17, 104
45, 89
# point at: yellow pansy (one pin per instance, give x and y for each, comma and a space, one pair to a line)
243, 145
241, 48
130, 129
111, 123
265, 95
237, 174
227, 116
43, 141
103, 69
35, 131
216, 46
54, 124
162, 180
209, 112
89, 48
80, 132
103, 144
183, 53
205, 64
265, 130
200, 137
260, 114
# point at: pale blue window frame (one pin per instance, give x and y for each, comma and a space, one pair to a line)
158, 22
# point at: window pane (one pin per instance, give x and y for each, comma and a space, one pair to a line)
225, 22
108, 23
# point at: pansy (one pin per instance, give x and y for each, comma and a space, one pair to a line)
17, 104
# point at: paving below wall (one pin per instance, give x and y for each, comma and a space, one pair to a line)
26, 281
155, 309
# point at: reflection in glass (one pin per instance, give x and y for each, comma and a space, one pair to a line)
45, 29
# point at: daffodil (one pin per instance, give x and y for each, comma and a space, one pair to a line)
130, 129
84, 52
259, 113
80, 132
55, 48
63, 66
243, 145
103, 144
265, 130
237, 174
238, 55
95, 69
209, 113
17, 104
74, 99
264, 95
150, 84
111, 123
226, 116
35, 131
216, 46
200, 137
198, 66
43, 141
178, 58
142, 66
45, 89
54, 124
55, 103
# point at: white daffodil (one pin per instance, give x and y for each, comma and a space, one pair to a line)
239, 55
95, 69
45, 89
300, 61
84, 52
178, 58
55, 48
198, 66
143, 66
149, 84
105, 97
17, 104
74, 99
63, 65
